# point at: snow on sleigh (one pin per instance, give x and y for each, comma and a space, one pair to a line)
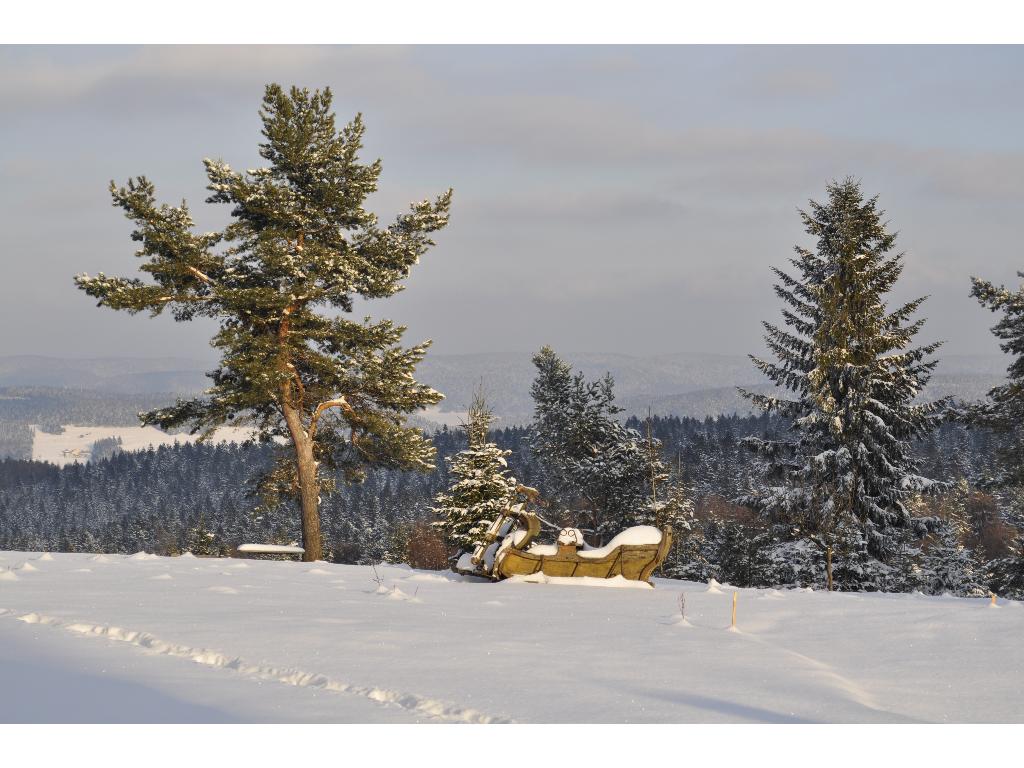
508, 550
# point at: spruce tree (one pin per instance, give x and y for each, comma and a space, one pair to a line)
300, 248
200, 540
482, 486
947, 565
847, 359
1004, 411
601, 470
1007, 572
1004, 414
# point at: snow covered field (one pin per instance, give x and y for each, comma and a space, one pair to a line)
74, 443
86, 638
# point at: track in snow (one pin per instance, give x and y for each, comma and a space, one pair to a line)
434, 708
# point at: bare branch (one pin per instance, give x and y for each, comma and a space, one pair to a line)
338, 402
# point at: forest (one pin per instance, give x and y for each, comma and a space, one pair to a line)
202, 498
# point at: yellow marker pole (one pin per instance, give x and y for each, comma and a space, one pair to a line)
993, 594
735, 595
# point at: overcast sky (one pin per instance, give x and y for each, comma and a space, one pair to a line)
607, 199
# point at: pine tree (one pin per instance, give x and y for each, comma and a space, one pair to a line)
482, 489
848, 361
338, 391
601, 469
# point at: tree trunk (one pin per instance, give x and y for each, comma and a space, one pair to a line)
309, 488
305, 463
828, 567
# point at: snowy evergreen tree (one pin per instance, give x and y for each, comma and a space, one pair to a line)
200, 540
945, 561
1007, 572
482, 487
691, 556
947, 565
795, 562
1004, 414
671, 497
1004, 411
338, 391
744, 554
849, 363
670, 506
601, 470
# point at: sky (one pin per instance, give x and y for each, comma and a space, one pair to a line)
606, 198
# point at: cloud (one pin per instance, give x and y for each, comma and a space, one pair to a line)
621, 195
54, 76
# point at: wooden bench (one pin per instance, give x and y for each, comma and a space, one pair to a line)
283, 550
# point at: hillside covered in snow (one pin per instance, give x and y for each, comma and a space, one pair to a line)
106, 638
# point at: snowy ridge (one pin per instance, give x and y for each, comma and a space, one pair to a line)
408, 701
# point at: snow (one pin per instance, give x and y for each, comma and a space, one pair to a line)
570, 536
465, 562
543, 550
615, 582
271, 549
131, 639
75, 443
639, 534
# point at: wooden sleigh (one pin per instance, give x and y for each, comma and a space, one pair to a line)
508, 550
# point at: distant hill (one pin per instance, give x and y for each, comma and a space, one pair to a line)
680, 384
129, 375
638, 380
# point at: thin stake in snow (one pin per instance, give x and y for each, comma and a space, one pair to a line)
735, 596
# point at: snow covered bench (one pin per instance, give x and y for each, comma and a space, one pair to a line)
269, 549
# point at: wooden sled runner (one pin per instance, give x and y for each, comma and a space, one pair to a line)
508, 550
